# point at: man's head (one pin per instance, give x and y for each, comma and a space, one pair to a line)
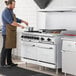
10, 3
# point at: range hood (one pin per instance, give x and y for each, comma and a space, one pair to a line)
42, 3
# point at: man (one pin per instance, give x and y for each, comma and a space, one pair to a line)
10, 22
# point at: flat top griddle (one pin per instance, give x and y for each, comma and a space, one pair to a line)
52, 30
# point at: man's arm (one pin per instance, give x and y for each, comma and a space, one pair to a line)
25, 22
16, 24
21, 21
10, 21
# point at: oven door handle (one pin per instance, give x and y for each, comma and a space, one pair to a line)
33, 45
50, 48
45, 47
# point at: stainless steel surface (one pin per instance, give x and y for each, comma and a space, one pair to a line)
40, 37
69, 33
53, 30
69, 55
41, 48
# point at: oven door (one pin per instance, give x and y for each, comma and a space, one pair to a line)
46, 53
38, 51
28, 50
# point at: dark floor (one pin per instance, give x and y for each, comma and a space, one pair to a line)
17, 71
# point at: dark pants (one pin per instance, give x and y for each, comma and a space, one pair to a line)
6, 56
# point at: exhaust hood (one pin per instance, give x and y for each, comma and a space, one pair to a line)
42, 3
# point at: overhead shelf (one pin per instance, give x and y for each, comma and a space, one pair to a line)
57, 10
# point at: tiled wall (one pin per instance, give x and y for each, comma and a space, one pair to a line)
2, 6
26, 10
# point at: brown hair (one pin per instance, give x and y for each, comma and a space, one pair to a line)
9, 2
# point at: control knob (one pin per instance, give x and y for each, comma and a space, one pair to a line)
42, 39
48, 39
22, 36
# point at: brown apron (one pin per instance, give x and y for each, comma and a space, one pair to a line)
10, 35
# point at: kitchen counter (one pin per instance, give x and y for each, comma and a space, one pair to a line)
70, 38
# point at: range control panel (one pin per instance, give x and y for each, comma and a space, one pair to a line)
38, 38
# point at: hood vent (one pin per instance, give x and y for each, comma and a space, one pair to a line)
42, 3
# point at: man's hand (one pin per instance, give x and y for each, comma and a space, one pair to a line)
17, 25
22, 27
25, 22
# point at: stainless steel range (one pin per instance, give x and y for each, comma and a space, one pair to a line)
41, 48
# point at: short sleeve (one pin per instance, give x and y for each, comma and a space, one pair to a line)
18, 20
8, 17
